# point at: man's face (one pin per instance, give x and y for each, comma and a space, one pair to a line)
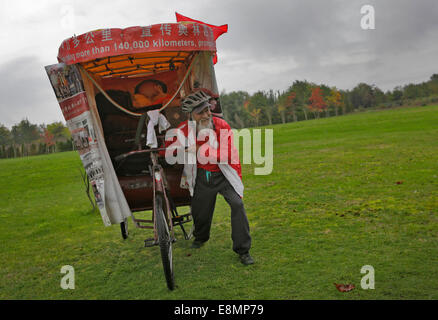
213, 103
203, 118
150, 90
158, 90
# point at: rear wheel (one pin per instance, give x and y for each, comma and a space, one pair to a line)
164, 241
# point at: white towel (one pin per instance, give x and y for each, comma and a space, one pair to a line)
155, 117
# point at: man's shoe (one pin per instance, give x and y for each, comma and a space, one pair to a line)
197, 244
246, 259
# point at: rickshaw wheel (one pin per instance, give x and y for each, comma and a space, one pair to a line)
124, 228
165, 242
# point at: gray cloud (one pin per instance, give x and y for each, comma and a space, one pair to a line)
269, 44
324, 42
26, 92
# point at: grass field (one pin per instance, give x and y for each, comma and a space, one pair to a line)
331, 205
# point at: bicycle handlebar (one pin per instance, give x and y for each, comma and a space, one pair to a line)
127, 154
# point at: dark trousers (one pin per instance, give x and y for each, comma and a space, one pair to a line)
208, 185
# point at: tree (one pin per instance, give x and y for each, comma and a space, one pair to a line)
5, 135
59, 130
363, 96
272, 105
291, 105
317, 103
60, 133
325, 92
23, 134
397, 94
379, 96
3, 153
262, 102
253, 111
411, 91
303, 90
334, 100
232, 107
433, 84
48, 140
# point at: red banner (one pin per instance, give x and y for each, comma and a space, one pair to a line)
158, 37
217, 30
74, 106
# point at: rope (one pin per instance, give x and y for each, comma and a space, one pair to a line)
182, 83
135, 113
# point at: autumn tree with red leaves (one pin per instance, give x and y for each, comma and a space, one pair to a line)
317, 103
49, 140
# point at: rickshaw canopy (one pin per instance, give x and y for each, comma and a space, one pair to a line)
137, 50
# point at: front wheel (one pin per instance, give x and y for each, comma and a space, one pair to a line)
164, 241
124, 228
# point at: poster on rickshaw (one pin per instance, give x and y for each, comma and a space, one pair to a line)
69, 90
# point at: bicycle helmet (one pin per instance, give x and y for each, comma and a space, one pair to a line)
195, 102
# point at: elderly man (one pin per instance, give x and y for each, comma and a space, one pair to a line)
222, 175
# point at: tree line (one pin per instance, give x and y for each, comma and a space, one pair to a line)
28, 139
305, 100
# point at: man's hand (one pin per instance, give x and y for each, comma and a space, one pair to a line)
193, 148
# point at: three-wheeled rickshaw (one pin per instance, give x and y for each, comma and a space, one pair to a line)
119, 91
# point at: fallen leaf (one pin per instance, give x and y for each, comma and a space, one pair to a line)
344, 287
399, 182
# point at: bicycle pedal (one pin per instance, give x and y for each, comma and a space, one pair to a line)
150, 242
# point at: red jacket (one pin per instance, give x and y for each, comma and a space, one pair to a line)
230, 155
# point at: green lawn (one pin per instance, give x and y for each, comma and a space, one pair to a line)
331, 205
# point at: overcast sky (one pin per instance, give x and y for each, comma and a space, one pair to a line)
269, 43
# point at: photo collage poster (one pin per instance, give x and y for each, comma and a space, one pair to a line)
69, 90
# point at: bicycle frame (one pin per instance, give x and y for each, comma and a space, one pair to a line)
159, 186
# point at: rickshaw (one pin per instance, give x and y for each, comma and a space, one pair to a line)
116, 88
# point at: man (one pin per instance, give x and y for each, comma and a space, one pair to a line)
223, 176
149, 92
